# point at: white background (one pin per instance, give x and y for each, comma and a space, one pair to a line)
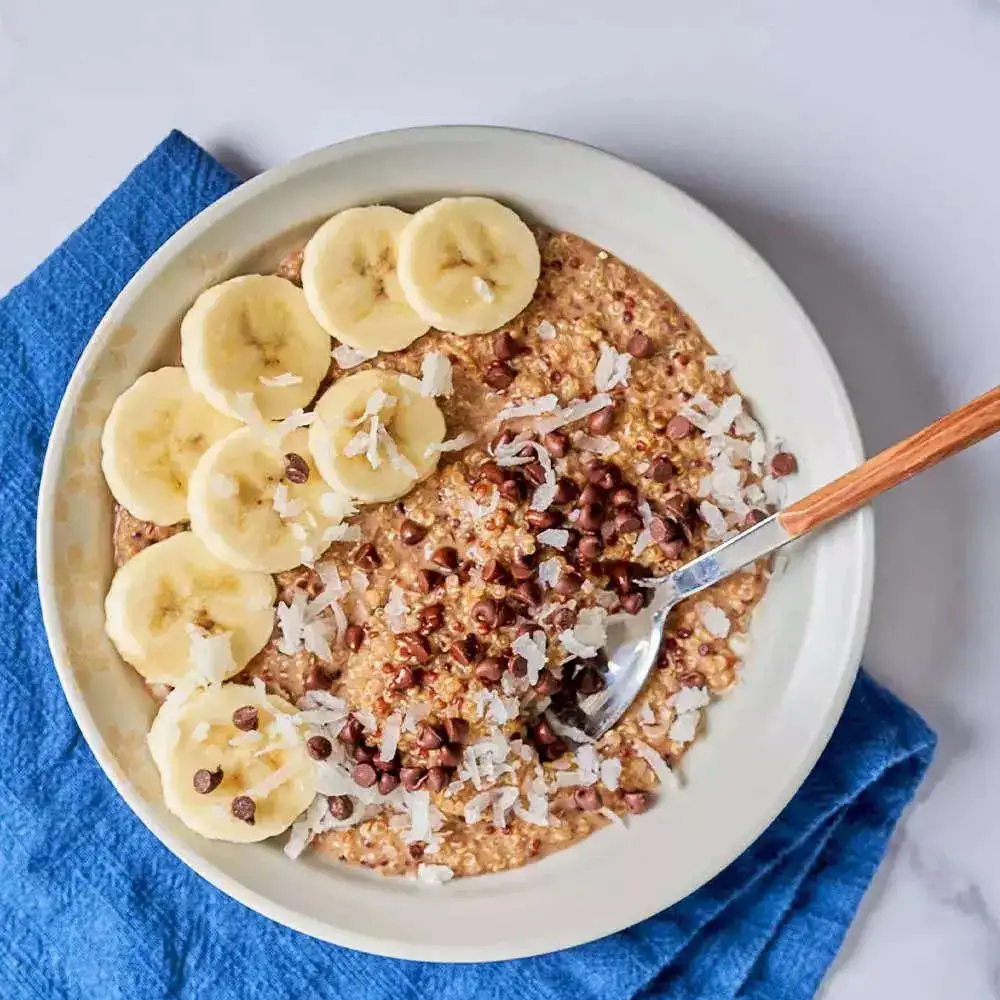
856, 144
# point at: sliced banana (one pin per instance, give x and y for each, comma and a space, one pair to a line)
254, 335
371, 435
155, 434
194, 732
468, 265
258, 506
176, 612
349, 280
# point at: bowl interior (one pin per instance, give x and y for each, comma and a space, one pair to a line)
807, 634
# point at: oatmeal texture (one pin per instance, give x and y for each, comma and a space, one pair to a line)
464, 550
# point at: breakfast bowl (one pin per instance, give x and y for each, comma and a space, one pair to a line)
802, 652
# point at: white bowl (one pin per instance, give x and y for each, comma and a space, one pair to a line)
808, 632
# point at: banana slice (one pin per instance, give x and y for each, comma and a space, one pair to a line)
194, 734
260, 507
468, 265
155, 434
349, 280
371, 436
254, 334
178, 614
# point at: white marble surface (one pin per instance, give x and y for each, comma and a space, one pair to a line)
856, 144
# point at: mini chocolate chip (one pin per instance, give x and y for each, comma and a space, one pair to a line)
535, 472
354, 636
486, 612
446, 557
431, 617
450, 756
428, 580
499, 375
704, 649
437, 779
351, 732
542, 734
456, 729
430, 737
494, 571
363, 754
784, 464
317, 679
528, 592
547, 684
632, 604
381, 764
507, 346
626, 522
601, 421
489, 670
413, 777
555, 750
206, 781
296, 468
662, 530
591, 494
754, 517
661, 470
636, 802
640, 345
492, 473
365, 775
367, 557
556, 443
466, 650
319, 747
617, 570
566, 491
588, 799
624, 496
513, 488
412, 533
591, 547
604, 474
592, 517
678, 427
415, 646
523, 566
678, 507
246, 718
542, 520
405, 679
387, 782
341, 806
243, 807
569, 583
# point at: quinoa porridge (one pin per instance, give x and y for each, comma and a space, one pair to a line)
439, 628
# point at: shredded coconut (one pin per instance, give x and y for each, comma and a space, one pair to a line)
714, 619
477, 511
611, 770
719, 363
395, 608
531, 408
657, 764
532, 648
602, 446
336, 506
286, 378
436, 375
576, 410
549, 570
558, 538
211, 655
546, 331
284, 505
684, 727
453, 444
341, 533
390, 736
396, 458
612, 368
434, 874
350, 357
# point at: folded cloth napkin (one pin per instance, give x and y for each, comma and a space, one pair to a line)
92, 905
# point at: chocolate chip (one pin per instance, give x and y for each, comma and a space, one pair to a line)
387, 782
246, 718
413, 777
662, 530
566, 491
588, 799
341, 806
412, 533
636, 802
661, 470
604, 474
367, 557
535, 472
569, 583
601, 421
754, 517
430, 737
590, 547
639, 345
632, 604
627, 522
466, 650
528, 592
499, 375
507, 346
486, 612
354, 636
317, 679
523, 566
431, 617
513, 488
489, 670
672, 550
381, 764
243, 807
564, 618
542, 520
592, 517
784, 464
678, 427
542, 734
405, 679
296, 468
589, 681
678, 507
556, 749
556, 443
704, 649
415, 646
351, 732
437, 779
363, 754
494, 571
456, 729
547, 684
206, 781
428, 580
319, 747
365, 775
492, 473
617, 570
446, 557
450, 756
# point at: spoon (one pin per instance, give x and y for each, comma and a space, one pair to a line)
634, 641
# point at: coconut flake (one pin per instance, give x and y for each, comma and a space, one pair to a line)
273, 781
395, 608
286, 378
558, 538
576, 410
396, 458
284, 505
414, 714
719, 363
655, 761
532, 648
602, 445
211, 655
566, 731
389, 742
612, 368
436, 375
530, 408
341, 533
684, 727
549, 570
714, 619
336, 506
712, 516
611, 770
588, 635
689, 699
453, 444
546, 331
730, 409
477, 511
434, 874
350, 357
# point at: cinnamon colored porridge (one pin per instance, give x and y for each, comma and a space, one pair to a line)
407, 569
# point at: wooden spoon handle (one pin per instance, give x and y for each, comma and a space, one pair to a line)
958, 430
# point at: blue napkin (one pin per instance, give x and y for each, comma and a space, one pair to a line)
92, 905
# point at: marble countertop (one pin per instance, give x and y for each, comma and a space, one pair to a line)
855, 144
